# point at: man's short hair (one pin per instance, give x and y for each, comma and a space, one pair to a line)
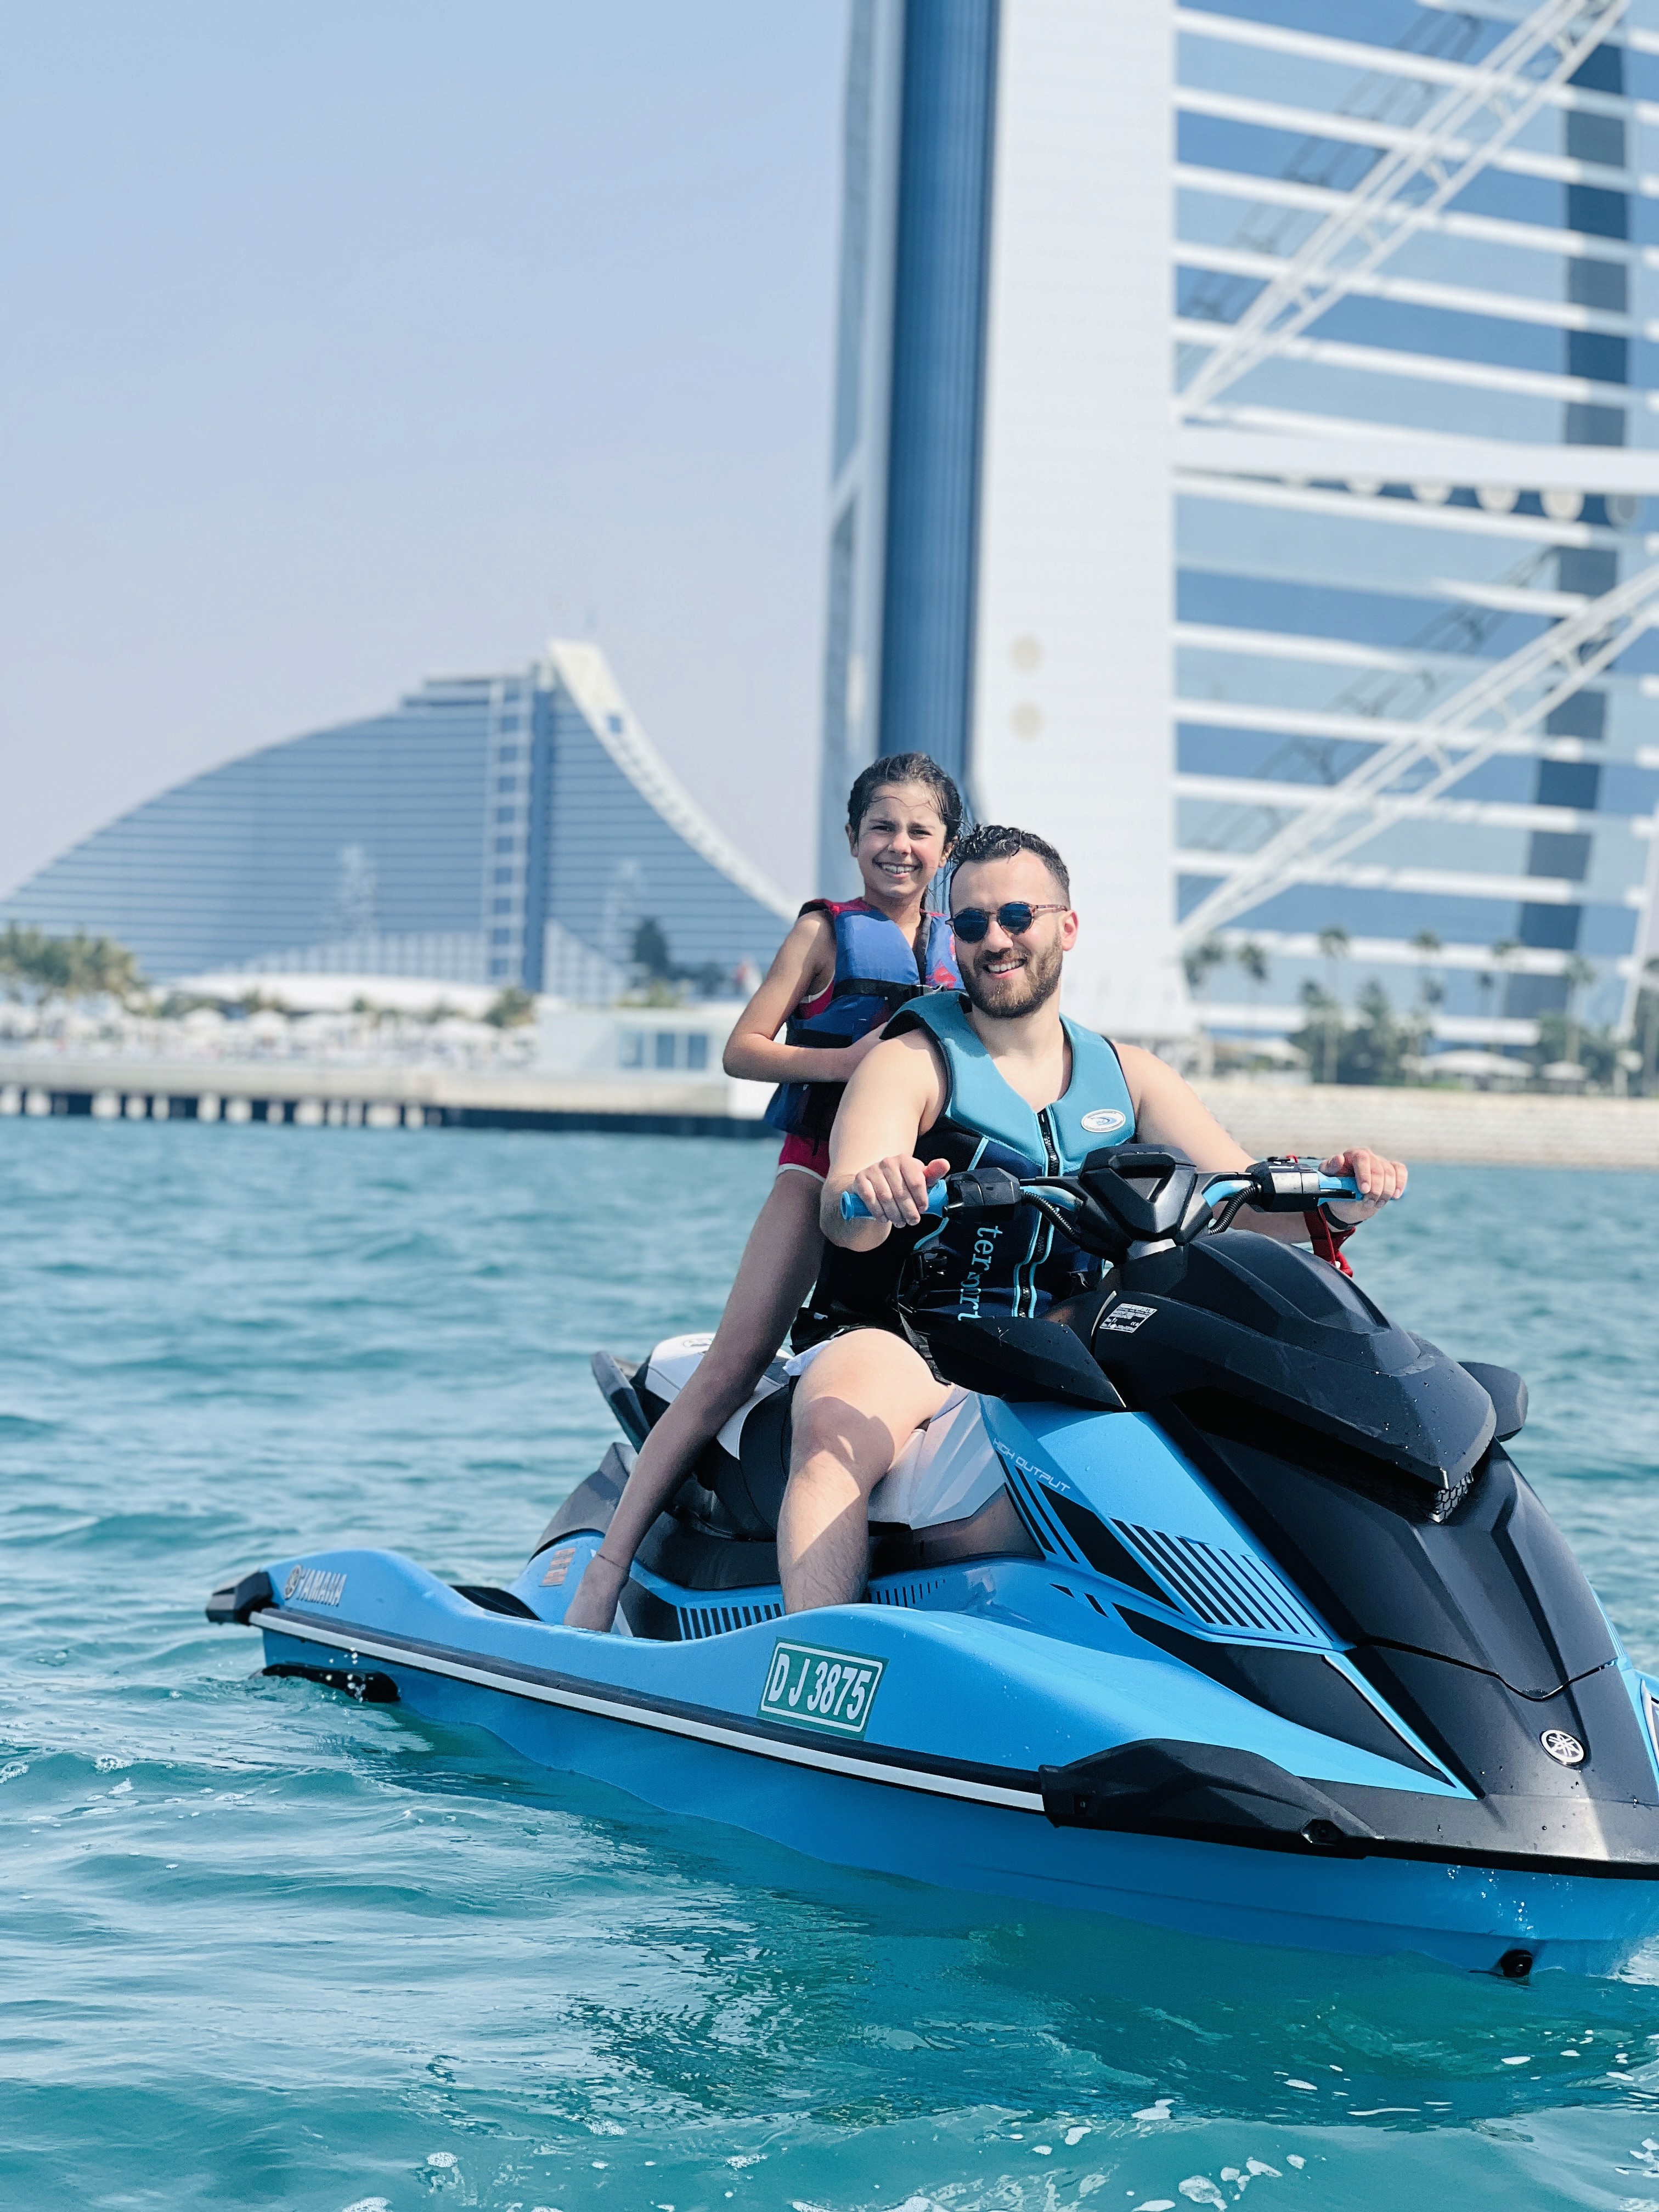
992, 841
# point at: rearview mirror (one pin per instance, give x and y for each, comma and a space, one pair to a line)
1508, 1393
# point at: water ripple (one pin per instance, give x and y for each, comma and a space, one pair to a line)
266, 1948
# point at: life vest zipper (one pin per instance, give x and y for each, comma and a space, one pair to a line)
1047, 1128
1043, 1239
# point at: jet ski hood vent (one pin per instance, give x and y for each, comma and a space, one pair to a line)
1265, 1322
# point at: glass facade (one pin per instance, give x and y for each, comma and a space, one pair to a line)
492, 830
1204, 613
1323, 610
614, 860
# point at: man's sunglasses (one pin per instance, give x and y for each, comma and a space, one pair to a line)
970, 923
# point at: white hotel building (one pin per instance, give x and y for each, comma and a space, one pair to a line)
1244, 473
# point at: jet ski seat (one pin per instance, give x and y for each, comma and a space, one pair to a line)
945, 1500
750, 1483
949, 1467
741, 1472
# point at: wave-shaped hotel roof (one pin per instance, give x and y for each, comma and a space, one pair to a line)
495, 829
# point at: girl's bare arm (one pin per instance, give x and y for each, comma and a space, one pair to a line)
804, 964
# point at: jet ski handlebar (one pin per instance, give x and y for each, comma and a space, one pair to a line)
1135, 1199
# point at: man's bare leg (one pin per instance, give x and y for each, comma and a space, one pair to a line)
779, 1265
856, 1407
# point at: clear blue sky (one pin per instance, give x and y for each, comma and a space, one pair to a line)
353, 341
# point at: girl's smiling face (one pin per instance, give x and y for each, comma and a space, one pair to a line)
901, 844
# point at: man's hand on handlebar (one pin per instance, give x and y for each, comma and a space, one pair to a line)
1379, 1180
896, 1190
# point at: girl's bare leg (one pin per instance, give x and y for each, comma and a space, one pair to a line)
779, 1266
856, 1407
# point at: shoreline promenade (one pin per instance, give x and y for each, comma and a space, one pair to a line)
1421, 1125
1426, 1126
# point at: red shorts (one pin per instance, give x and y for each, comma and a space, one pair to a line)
807, 1153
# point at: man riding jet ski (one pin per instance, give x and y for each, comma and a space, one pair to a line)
994, 1078
1206, 1596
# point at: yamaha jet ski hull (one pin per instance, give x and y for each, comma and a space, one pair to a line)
1211, 1599
678, 1727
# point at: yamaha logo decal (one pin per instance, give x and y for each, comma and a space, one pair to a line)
313, 1586
1566, 1750
1100, 1121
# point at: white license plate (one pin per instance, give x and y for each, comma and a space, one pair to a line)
812, 1687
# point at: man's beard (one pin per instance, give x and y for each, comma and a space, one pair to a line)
1021, 991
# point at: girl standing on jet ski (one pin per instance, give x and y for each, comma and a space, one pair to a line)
843, 968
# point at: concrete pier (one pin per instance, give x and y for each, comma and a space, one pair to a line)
374, 1095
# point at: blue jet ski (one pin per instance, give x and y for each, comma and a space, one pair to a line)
1212, 1598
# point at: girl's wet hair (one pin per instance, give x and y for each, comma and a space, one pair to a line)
906, 768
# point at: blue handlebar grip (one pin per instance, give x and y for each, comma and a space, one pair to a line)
1339, 1186
853, 1207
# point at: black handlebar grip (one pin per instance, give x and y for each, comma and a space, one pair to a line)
1285, 1185
985, 1190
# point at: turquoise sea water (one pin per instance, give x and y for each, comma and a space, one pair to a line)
264, 1947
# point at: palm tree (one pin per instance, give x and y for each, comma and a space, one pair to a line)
1649, 1002
1427, 947
1197, 962
78, 967
1580, 974
1252, 957
511, 1008
1321, 1029
1333, 944
99, 968
1503, 951
25, 955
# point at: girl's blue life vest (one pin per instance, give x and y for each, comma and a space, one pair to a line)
974, 1266
877, 972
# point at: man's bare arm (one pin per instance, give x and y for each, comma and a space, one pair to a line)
895, 1093
1168, 1111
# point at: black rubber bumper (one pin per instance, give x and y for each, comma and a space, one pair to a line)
234, 1601
1160, 1787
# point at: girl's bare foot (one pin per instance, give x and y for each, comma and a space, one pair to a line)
593, 1603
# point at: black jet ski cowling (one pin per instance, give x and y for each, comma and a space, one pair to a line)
1263, 1322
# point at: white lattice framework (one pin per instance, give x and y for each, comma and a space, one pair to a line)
1472, 121
1412, 775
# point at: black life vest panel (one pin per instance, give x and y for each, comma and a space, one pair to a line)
877, 972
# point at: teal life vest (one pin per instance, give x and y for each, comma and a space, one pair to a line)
977, 1266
